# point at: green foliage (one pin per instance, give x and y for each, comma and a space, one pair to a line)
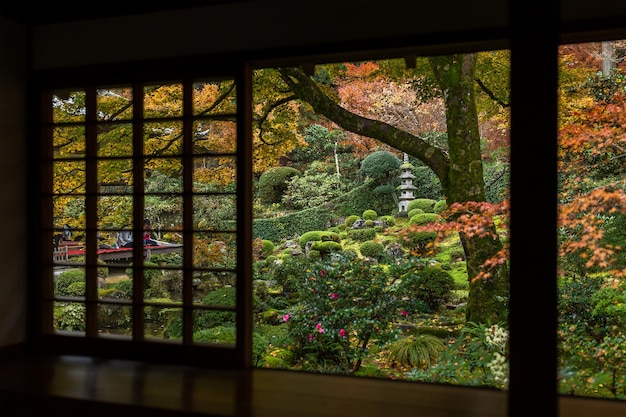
222, 297
372, 249
497, 181
325, 247
318, 235
76, 289
439, 206
66, 278
288, 272
344, 307
389, 220
415, 351
414, 212
70, 317
425, 204
219, 334
273, 183
351, 219
267, 248
365, 197
311, 190
431, 285
381, 166
126, 288
369, 215
362, 235
287, 226
425, 218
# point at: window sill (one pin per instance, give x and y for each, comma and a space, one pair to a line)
71, 385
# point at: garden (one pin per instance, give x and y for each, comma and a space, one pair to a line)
345, 281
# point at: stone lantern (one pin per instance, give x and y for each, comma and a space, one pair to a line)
406, 184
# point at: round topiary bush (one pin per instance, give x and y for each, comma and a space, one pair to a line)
350, 220
273, 183
414, 212
326, 247
440, 206
369, 215
67, 278
362, 235
425, 204
371, 249
318, 235
425, 218
380, 166
267, 247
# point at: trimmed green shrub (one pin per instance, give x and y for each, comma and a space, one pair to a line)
351, 219
273, 183
430, 285
380, 166
220, 334
368, 196
326, 247
267, 247
425, 204
369, 215
440, 206
414, 212
276, 229
318, 235
66, 278
389, 220
418, 240
371, 249
76, 289
425, 218
362, 235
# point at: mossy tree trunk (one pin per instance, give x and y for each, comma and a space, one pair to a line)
488, 298
460, 172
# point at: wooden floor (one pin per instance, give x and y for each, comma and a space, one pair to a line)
35, 385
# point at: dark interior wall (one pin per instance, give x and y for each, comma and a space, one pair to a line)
12, 182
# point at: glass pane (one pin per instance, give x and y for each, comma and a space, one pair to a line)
592, 220
215, 174
115, 176
69, 317
214, 327
215, 212
114, 213
214, 137
115, 104
69, 142
165, 213
163, 175
163, 322
163, 101
114, 319
214, 98
162, 138
162, 285
68, 106
205, 282
69, 177
115, 139
214, 250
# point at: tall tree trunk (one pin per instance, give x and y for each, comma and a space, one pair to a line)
488, 298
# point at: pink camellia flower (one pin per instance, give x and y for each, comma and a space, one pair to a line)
286, 317
323, 272
310, 336
342, 332
404, 313
334, 296
319, 328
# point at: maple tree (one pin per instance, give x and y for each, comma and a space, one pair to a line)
458, 166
